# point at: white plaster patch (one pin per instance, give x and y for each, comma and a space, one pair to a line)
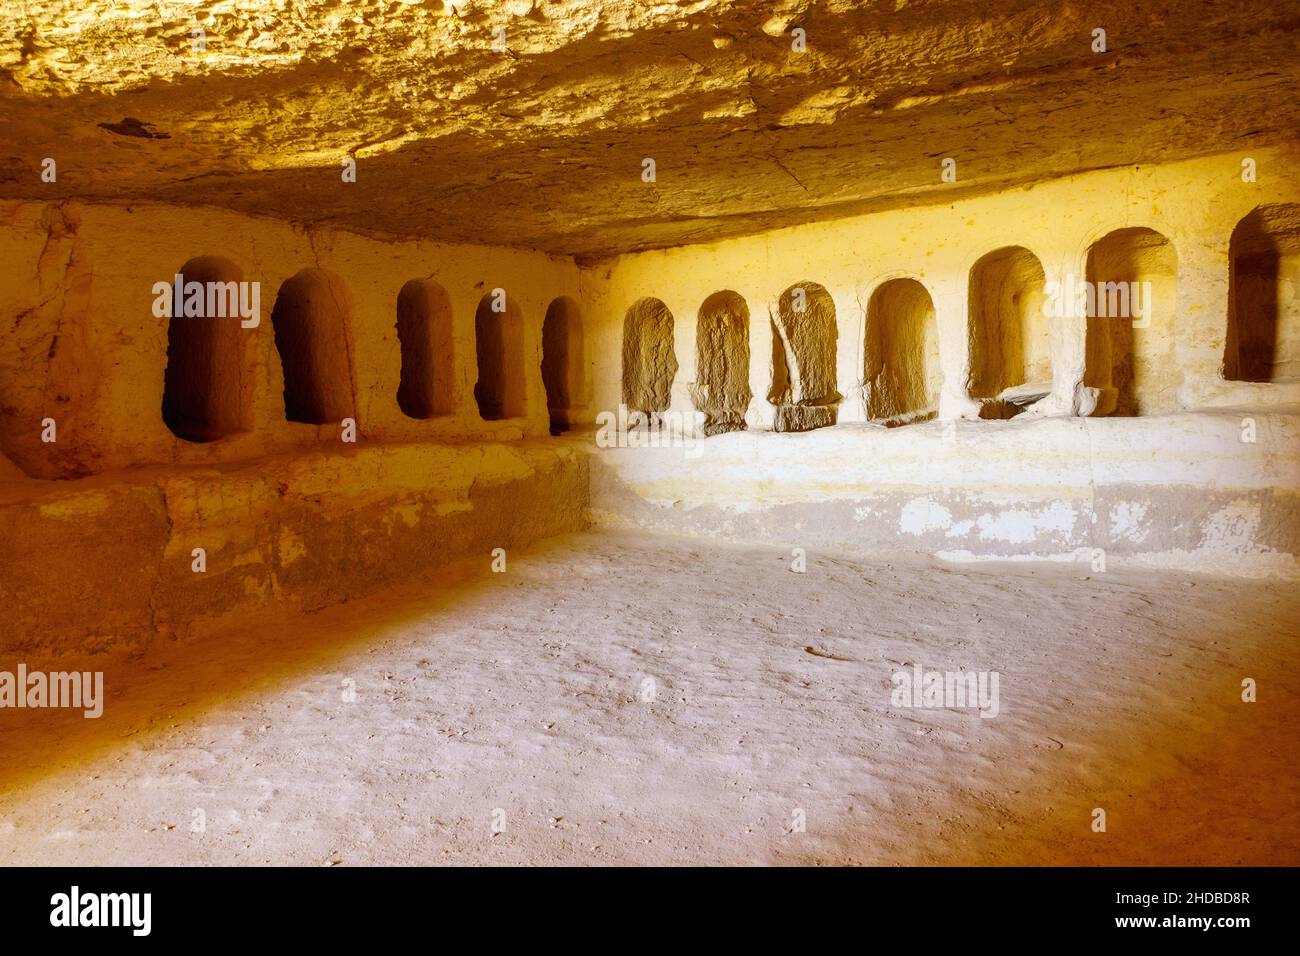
1127, 519
1019, 526
923, 514
961, 528
969, 557
1233, 528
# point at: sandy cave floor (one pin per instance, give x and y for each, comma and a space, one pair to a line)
523, 691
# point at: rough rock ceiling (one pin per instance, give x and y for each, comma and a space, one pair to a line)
542, 145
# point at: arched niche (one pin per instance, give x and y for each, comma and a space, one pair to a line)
649, 361
1263, 341
424, 333
562, 362
721, 390
901, 364
499, 346
804, 339
1009, 331
312, 322
1129, 296
204, 395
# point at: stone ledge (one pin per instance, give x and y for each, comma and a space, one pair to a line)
104, 563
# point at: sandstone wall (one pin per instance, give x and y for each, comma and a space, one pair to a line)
98, 528
1195, 489
84, 347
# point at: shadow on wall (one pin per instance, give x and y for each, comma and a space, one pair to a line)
498, 342
1263, 342
804, 337
649, 362
204, 393
1009, 333
1133, 276
424, 334
312, 319
903, 376
563, 372
721, 390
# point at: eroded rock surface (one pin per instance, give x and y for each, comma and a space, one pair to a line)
540, 142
